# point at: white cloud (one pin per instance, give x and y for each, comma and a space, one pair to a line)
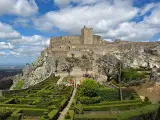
132, 31
108, 18
19, 44
27, 50
66, 3
147, 8
4, 46
101, 16
153, 19
61, 3
31, 40
23, 8
7, 32
2, 53
21, 22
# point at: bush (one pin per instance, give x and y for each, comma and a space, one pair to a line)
132, 74
53, 114
89, 88
67, 116
79, 109
90, 100
108, 94
19, 85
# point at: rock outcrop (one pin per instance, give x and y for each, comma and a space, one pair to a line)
35, 72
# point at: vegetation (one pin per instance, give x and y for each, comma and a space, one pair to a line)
19, 85
44, 100
132, 74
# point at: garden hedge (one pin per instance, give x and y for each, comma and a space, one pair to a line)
126, 106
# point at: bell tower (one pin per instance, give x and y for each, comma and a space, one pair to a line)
87, 35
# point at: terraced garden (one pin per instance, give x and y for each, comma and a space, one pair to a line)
41, 102
106, 105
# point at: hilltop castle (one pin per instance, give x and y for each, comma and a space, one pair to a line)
66, 45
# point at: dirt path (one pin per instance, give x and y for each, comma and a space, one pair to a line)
64, 112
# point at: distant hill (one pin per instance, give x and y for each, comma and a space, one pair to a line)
5, 73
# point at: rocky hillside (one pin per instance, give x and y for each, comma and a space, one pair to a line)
131, 55
34, 73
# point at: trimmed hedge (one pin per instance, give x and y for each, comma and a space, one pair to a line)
90, 100
108, 94
110, 107
16, 115
139, 113
18, 105
33, 111
94, 117
53, 114
142, 111
118, 102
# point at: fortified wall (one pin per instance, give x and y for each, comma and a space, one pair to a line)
87, 41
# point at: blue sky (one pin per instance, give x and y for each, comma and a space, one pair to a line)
27, 25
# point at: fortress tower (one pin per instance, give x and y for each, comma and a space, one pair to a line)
87, 35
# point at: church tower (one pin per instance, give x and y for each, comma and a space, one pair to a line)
87, 35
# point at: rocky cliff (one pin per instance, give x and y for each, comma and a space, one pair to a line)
35, 72
133, 55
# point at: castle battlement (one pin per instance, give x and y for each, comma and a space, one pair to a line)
64, 45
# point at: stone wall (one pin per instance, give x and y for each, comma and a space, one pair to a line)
59, 53
96, 39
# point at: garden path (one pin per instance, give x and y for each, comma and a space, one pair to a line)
65, 110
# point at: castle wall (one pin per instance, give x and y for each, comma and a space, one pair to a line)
65, 40
72, 39
96, 39
59, 53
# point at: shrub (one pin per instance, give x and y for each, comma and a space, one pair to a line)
89, 88
67, 116
133, 97
79, 109
90, 100
53, 114
132, 74
5, 112
19, 85
146, 99
108, 94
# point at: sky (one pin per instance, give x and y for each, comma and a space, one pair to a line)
27, 25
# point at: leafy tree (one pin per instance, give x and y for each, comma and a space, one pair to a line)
89, 88
86, 62
109, 63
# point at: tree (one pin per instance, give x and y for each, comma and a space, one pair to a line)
86, 62
67, 64
109, 63
103, 66
89, 88
56, 64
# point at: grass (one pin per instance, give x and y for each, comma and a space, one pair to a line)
19, 85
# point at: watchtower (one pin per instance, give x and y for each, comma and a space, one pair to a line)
87, 35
